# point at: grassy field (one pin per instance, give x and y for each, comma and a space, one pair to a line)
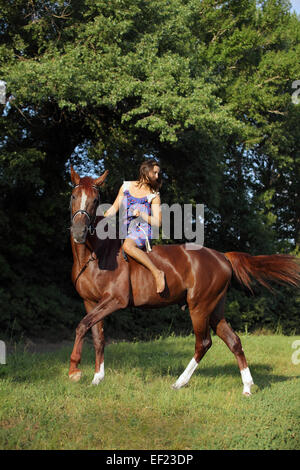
135, 407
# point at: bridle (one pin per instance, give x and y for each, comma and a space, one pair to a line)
90, 218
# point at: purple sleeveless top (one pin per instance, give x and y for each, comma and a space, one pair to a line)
135, 227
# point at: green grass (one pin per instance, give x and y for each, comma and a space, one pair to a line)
135, 407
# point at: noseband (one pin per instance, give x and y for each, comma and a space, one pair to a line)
81, 211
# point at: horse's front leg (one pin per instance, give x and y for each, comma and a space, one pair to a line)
99, 344
103, 309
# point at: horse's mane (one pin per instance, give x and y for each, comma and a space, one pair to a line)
106, 250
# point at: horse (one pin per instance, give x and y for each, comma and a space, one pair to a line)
197, 278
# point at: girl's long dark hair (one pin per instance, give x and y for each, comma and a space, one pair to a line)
145, 167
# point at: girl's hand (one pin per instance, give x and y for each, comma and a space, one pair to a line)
136, 213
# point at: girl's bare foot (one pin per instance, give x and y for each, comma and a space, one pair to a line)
160, 282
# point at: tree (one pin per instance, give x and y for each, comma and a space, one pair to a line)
205, 86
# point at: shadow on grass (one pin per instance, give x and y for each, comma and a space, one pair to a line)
150, 360
263, 375
27, 367
161, 360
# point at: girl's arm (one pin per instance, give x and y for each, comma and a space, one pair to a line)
116, 205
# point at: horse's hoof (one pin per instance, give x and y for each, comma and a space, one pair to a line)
75, 376
177, 386
97, 379
254, 390
249, 389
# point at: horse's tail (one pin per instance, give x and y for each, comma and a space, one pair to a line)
284, 269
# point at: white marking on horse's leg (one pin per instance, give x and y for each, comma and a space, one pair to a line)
83, 201
186, 375
99, 375
247, 381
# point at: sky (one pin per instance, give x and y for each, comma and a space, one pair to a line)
295, 6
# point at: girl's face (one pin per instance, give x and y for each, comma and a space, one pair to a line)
153, 174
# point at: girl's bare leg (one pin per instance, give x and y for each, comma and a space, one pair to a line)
139, 255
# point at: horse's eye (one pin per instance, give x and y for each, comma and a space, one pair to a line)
95, 201
73, 197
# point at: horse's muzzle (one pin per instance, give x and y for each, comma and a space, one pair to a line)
79, 232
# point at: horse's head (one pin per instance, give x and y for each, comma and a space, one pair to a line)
84, 202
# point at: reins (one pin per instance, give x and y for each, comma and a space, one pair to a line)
84, 266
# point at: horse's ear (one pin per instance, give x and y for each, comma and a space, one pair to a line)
75, 178
99, 181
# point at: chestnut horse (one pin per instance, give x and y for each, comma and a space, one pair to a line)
198, 278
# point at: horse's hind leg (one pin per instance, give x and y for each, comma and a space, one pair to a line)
99, 344
231, 339
203, 342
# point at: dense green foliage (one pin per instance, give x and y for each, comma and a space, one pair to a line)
205, 86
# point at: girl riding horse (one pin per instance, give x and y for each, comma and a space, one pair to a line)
141, 199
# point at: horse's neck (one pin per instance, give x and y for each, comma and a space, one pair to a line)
80, 252
104, 249
107, 246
